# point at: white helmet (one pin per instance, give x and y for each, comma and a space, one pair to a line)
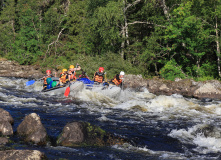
122, 73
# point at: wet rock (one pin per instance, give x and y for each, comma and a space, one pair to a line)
22, 155
6, 128
19, 71
5, 116
206, 100
3, 140
84, 134
32, 129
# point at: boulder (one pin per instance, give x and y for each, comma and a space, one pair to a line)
6, 128
84, 134
210, 89
5, 116
32, 129
22, 155
134, 81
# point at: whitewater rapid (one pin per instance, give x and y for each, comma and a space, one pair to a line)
192, 124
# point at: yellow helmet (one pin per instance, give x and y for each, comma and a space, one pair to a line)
71, 66
64, 70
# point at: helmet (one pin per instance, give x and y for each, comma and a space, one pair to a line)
64, 70
101, 69
71, 66
122, 73
48, 71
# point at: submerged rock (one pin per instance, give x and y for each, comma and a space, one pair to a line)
22, 155
33, 130
84, 134
3, 140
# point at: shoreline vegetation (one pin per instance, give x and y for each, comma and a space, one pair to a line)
169, 39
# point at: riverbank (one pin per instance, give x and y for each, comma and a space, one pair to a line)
186, 87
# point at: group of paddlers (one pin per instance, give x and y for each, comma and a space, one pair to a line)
67, 76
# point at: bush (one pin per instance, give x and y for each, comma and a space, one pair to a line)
171, 71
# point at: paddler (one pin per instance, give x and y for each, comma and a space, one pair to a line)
99, 75
118, 79
72, 72
48, 75
63, 79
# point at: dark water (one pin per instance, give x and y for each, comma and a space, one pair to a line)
156, 126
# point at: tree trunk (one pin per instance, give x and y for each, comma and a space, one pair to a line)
165, 10
218, 48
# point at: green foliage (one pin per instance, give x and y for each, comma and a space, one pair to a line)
94, 33
171, 71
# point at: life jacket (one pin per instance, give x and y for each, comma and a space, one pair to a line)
73, 75
99, 77
63, 77
45, 79
116, 81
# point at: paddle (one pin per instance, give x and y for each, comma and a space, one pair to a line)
30, 82
67, 91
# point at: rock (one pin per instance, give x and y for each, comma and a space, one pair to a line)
134, 81
19, 71
209, 89
84, 134
6, 128
33, 130
5, 116
22, 155
3, 140
186, 87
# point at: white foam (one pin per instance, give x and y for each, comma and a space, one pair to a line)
205, 144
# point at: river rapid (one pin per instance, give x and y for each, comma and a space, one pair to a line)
158, 127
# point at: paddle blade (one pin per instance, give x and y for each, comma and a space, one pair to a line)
67, 91
30, 82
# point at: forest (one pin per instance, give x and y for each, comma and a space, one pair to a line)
164, 38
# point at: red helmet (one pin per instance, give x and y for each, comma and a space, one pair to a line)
48, 71
101, 69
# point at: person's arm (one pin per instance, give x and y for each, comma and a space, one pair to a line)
78, 67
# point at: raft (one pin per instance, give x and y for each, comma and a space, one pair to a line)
75, 87
112, 91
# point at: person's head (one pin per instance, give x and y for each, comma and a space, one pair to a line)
48, 72
83, 73
101, 69
71, 67
121, 75
64, 71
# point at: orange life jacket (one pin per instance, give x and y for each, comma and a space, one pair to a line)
63, 77
116, 82
45, 79
73, 75
98, 77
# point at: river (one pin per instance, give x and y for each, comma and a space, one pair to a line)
159, 127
